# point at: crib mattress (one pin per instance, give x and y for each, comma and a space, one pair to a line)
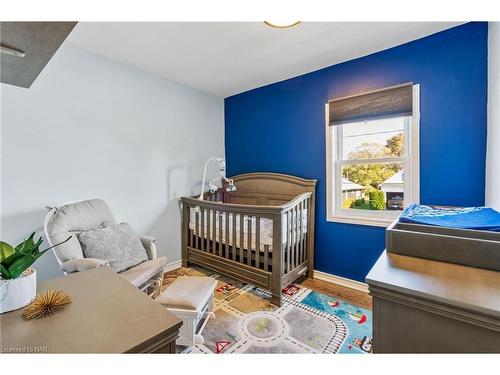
266, 229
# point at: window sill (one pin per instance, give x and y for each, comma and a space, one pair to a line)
362, 220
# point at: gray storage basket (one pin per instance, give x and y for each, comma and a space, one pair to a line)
474, 248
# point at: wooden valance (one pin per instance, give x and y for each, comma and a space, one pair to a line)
391, 101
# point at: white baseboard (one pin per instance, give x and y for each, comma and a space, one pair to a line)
353, 284
173, 266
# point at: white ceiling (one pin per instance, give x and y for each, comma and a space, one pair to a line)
226, 58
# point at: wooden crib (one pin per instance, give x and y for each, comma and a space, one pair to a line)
262, 233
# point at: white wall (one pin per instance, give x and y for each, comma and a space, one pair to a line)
493, 151
92, 127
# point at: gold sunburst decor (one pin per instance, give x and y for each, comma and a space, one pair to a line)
282, 24
46, 304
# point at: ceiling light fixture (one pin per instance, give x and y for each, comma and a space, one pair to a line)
281, 25
11, 51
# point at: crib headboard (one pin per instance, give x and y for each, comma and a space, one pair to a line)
269, 189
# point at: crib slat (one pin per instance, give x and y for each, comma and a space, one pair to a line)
214, 227
306, 234
241, 238
294, 241
266, 257
301, 254
220, 234
257, 241
303, 237
294, 221
202, 230
297, 235
290, 246
197, 230
282, 249
249, 240
226, 217
190, 239
209, 231
288, 236
233, 243
297, 241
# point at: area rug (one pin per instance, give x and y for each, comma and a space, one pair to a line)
307, 322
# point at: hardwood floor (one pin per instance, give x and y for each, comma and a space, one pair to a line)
350, 295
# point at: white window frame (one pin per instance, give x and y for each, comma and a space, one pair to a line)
411, 160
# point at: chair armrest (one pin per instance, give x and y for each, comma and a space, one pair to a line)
149, 245
83, 264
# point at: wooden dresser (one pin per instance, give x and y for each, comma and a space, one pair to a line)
426, 306
107, 315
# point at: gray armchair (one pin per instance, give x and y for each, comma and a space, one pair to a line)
73, 218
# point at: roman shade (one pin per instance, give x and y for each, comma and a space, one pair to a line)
391, 101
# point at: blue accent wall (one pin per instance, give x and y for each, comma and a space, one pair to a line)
281, 128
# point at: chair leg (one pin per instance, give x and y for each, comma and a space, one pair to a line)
158, 283
153, 287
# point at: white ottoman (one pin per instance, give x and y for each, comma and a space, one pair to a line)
190, 298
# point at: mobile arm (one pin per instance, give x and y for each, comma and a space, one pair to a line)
222, 176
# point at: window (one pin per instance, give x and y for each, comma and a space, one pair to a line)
372, 161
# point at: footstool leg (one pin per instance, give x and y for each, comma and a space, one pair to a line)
190, 307
198, 339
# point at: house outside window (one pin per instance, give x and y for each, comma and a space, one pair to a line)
372, 143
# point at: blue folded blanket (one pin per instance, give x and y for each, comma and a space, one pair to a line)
480, 218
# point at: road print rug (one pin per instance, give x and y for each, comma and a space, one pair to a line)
307, 322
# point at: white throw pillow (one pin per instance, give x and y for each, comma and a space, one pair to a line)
116, 244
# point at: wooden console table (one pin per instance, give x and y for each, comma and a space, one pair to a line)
426, 306
107, 315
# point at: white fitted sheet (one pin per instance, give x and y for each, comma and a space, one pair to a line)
266, 229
